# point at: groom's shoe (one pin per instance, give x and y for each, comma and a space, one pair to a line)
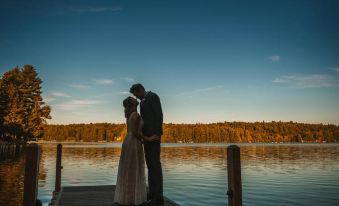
149, 196
160, 200
156, 201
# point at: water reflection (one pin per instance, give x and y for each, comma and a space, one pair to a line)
196, 174
11, 181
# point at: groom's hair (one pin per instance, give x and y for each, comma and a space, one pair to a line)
136, 87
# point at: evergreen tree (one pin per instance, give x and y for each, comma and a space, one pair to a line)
36, 112
23, 112
14, 119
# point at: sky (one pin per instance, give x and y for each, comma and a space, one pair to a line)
209, 61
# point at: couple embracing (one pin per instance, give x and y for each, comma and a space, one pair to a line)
141, 143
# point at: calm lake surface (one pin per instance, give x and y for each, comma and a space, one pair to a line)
195, 174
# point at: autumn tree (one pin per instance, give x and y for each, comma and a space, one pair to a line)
24, 112
14, 119
36, 112
200, 133
3, 110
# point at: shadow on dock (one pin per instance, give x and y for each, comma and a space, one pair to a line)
101, 195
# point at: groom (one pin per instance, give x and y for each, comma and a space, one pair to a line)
151, 113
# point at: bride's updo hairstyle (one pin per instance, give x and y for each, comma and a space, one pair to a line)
130, 104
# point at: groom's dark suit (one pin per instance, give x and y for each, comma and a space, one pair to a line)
151, 113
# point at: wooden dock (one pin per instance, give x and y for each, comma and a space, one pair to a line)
103, 195
91, 196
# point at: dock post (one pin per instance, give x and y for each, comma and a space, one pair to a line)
11, 151
234, 176
5, 151
17, 149
58, 168
3, 156
31, 175
1, 151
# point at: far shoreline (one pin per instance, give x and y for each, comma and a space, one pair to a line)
188, 143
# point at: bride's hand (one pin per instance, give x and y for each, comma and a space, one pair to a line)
152, 138
141, 139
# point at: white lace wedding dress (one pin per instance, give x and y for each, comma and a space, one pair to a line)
131, 183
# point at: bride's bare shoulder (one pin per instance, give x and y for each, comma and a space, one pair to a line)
135, 116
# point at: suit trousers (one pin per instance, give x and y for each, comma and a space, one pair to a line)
152, 157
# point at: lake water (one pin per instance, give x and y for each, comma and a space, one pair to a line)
195, 174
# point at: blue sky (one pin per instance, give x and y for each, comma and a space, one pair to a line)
209, 61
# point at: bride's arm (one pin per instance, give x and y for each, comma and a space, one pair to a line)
135, 130
152, 138
136, 133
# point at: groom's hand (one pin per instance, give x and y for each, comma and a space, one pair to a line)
152, 138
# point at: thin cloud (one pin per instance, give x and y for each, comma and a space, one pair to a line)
49, 99
128, 79
104, 81
336, 69
203, 90
85, 102
275, 58
59, 94
95, 9
283, 79
307, 81
124, 93
62, 7
77, 104
79, 86
54, 95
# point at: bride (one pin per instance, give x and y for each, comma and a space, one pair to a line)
131, 183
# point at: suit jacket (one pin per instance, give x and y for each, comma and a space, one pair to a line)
151, 113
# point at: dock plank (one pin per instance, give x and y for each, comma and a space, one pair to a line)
102, 195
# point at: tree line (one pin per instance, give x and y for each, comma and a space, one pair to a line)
22, 110
23, 115
202, 133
